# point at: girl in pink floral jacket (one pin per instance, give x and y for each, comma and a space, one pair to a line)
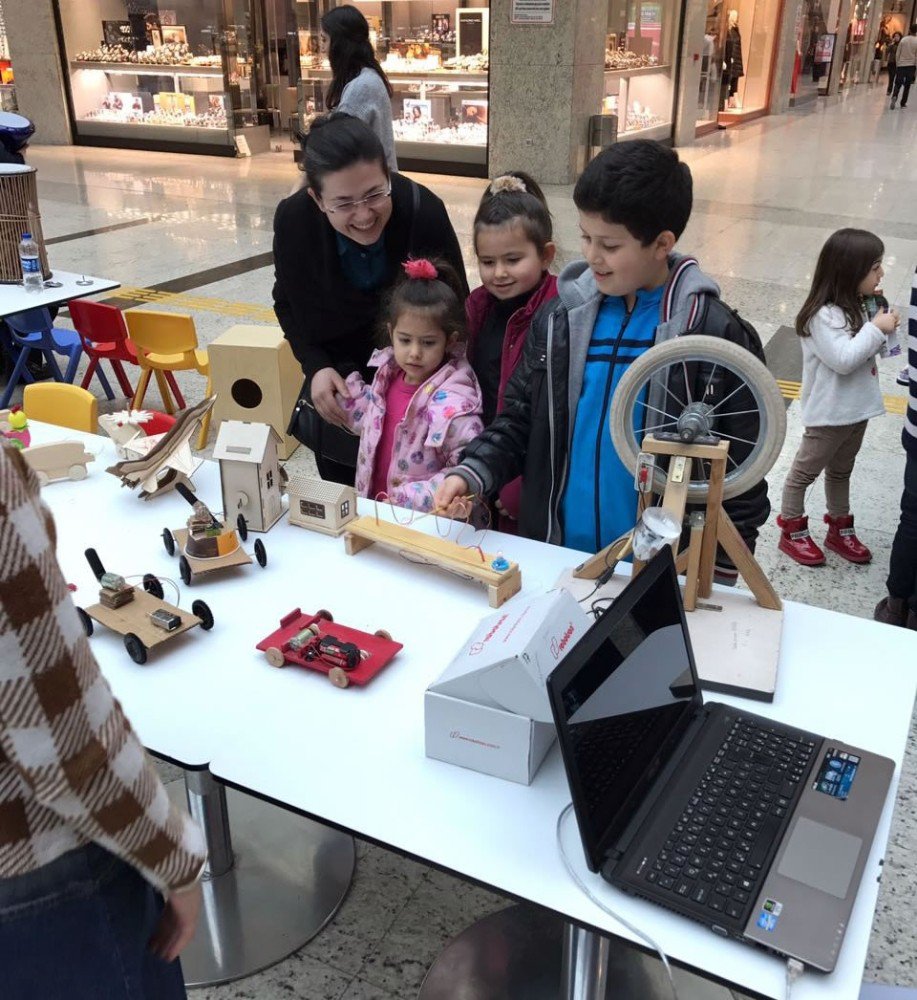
424, 404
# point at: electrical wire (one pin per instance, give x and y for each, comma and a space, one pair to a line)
161, 579
571, 871
794, 969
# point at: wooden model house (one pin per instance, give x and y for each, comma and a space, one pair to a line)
321, 505
250, 472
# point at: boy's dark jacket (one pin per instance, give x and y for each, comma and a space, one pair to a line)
532, 435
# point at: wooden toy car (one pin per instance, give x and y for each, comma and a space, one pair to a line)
347, 655
141, 616
207, 543
60, 460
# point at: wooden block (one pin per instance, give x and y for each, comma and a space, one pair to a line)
657, 447
467, 562
256, 378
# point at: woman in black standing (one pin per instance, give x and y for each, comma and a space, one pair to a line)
338, 247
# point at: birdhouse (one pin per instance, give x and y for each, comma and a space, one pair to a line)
321, 505
250, 472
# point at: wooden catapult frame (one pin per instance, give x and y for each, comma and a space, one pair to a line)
707, 530
467, 562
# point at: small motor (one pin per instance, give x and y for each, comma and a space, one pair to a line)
166, 620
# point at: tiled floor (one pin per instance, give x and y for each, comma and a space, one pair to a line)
767, 196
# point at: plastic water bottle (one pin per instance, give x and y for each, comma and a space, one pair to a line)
32, 279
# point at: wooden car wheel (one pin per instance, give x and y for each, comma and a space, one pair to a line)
78, 472
242, 527
184, 567
43, 478
275, 656
322, 613
152, 585
338, 677
383, 634
203, 612
85, 621
168, 541
260, 552
135, 648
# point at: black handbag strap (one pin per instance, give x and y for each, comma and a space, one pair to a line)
415, 211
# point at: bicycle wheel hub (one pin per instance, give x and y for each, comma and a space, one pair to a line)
694, 422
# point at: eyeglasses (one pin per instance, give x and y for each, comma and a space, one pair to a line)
371, 200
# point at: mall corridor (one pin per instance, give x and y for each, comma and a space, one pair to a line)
193, 234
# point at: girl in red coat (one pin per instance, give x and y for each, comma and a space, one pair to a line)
513, 240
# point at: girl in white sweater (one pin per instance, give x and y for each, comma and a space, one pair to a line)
840, 391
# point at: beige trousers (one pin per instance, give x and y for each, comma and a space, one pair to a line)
832, 450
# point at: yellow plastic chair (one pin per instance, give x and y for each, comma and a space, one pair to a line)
166, 342
62, 404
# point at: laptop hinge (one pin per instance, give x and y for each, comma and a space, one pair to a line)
687, 744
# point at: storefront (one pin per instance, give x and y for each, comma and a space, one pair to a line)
7, 85
182, 79
737, 61
640, 46
435, 55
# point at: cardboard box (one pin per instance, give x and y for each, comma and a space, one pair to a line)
489, 710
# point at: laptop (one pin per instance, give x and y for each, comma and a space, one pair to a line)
756, 829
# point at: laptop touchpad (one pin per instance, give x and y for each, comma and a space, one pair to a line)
821, 857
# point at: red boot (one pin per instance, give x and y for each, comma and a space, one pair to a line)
842, 539
797, 543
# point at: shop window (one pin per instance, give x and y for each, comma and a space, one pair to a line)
639, 51
436, 57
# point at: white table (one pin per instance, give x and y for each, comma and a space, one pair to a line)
355, 758
15, 298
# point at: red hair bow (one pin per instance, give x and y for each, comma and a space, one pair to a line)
420, 269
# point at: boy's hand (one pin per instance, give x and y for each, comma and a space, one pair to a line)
325, 383
448, 498
887, 321
177, 923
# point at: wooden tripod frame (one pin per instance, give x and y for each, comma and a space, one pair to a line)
713, 527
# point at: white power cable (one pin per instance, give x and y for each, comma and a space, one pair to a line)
794, 969
571, 871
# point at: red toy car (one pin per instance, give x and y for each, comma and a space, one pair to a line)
347, 655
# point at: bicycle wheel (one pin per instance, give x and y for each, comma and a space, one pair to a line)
690, 389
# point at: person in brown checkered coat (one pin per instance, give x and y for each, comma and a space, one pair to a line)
98, 871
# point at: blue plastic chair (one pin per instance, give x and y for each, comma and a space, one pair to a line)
35, 330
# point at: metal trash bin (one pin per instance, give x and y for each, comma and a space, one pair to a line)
603, 131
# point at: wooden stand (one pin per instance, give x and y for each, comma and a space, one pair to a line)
707, 530
501, 584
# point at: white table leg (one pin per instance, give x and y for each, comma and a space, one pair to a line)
271, 884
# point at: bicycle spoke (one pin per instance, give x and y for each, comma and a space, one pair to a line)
656, 409
665, 387
658, 427
729, 458
738, 388
709, 380
737, 413
684, 370
732, 437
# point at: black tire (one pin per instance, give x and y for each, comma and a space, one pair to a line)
203, 612
168, 540
85, 621
184, 567
242, 527
260, 553
152, 586
135, 648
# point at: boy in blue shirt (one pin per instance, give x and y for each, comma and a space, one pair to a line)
631, 291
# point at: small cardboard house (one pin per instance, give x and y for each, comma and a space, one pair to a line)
321, 505
250, 472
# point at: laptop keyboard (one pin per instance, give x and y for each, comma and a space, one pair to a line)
715, 854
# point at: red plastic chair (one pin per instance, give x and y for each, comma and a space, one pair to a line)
104, 336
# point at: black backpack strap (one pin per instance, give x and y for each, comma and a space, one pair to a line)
670, 295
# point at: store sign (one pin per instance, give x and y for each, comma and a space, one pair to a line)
532, 12
824, 48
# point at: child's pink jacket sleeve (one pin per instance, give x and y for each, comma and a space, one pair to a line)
356, 404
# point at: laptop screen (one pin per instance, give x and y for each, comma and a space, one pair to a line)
621, 699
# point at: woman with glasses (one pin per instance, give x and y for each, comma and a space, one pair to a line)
359, 86
338, 248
